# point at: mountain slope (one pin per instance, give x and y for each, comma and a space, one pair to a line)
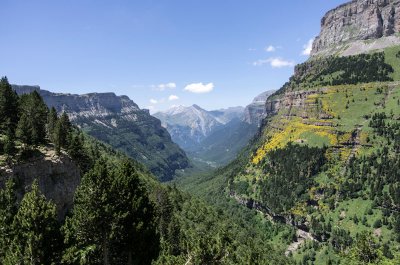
327, 160
222, 146
118, 121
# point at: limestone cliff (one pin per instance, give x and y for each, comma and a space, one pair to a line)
254, 113
358, 26
58, 177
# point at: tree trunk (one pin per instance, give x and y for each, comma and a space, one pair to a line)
130, 262
106, 260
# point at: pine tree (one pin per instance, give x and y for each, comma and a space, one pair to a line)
24, 130
37, 237
8, 106
33, 117
8, 209
62, 132
91, 223
9, 142
134, 217
113, 221
78, 152
51, 123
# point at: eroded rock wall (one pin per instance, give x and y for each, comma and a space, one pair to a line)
358, 20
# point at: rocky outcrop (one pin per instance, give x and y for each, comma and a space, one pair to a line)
58, 177
119, 122
255, 112
289, 100
355, 22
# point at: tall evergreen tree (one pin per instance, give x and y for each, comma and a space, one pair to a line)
62, 132
24, 129
8, 106
88, 232
37, 237
8, 209
9, 142
135, 217
113, 220
51, 124
78, 152
33, 118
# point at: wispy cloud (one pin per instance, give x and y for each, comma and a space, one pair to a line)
153, 101
199, 88
162, 87
307, 48
270, 48
274, 62
173, 97
252, 50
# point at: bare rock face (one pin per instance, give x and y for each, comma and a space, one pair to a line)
358, 20
255, 112
58, 177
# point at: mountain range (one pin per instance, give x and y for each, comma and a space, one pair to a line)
119, 122
215, 136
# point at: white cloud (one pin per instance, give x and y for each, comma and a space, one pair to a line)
252, 50
199, 88
173, 97
153, 101
162, 87
270, 48
275, 62
307, 48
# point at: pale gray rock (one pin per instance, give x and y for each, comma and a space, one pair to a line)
255, 112
358, 22
58, 177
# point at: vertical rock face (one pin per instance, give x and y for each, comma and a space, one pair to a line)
358, 20
255, 112
58, 177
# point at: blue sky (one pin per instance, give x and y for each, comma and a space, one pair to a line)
159, 53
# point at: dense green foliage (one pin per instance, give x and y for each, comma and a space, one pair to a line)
192, 230
289, 175
113, 221
31, 229
334, 70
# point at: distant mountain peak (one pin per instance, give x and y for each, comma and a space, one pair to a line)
190, 125
197, 107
